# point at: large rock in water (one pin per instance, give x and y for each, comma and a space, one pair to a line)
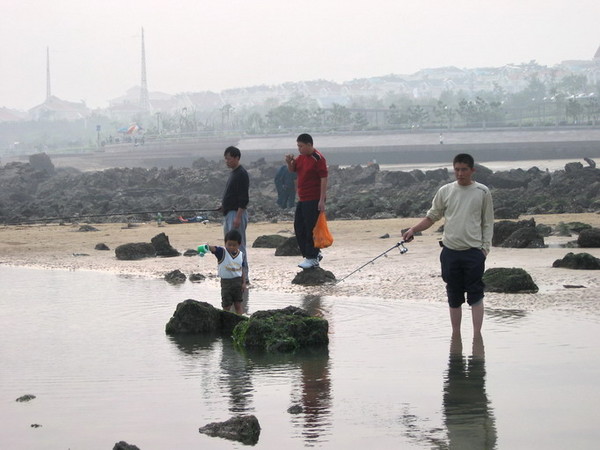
579, 261
194, 317
137, 250
282, 330
510, 281
244, 429
175, 277
163, 246
589, 238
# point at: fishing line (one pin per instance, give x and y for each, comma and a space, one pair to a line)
399, 245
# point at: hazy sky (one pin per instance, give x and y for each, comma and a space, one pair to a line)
196, 45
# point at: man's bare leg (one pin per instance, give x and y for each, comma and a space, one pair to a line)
455, 319
477, 313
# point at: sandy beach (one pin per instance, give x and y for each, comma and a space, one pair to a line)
413, 276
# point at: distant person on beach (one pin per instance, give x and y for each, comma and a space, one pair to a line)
467, 208
231, 271
285, 183
311, 168
235, 200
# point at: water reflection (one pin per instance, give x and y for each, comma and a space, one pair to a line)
506, 315
308, 369
312, 389
312, 304
236, 377
468, 415
193, 345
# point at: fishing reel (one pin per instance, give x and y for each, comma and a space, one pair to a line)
401, 247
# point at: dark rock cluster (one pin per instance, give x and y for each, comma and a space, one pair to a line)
244, 429
34, 191
589, 238
508, 280
281, 330
196, 317
314, 277
579, 261
122, 445
520, 234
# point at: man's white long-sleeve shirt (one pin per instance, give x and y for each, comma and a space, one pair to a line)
469, 215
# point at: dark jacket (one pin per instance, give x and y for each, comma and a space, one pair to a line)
236, 190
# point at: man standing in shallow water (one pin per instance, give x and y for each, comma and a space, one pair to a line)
467, 208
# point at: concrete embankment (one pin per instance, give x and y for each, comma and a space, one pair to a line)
350, 149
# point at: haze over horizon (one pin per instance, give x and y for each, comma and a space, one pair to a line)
191, 46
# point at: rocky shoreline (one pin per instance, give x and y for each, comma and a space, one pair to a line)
37, 191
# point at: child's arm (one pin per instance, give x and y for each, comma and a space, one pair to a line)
204, 248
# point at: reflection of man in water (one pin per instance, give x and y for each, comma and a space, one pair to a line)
314, 395
236, 376
285, 183
468, 415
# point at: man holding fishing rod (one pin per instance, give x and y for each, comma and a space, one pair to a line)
467, 208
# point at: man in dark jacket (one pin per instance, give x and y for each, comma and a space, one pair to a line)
235, 199
285, 183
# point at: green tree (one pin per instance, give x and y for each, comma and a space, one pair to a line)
254, 123
417, 115
574, 110
444, 113
394, 116
360, 121
592, 109
573, 84
339, 116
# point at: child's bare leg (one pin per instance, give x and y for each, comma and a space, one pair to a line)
238, 308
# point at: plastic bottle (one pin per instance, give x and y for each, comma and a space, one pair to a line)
203, 249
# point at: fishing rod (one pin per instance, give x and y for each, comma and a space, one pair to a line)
131, 213
399, 245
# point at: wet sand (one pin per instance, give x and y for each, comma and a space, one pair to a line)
414, 275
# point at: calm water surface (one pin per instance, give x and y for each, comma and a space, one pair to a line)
91, 347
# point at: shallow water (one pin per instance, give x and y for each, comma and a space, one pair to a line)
91, 347
542, 164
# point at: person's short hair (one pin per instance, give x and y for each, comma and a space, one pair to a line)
232, 151
233, 235
305, 138
464, 158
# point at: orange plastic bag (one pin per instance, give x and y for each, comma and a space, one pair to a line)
322, 238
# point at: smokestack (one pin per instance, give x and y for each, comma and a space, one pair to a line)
144, 98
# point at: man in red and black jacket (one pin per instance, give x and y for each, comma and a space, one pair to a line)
311, 168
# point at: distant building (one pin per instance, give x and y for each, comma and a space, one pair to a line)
56, 109
128, 105
10, 115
